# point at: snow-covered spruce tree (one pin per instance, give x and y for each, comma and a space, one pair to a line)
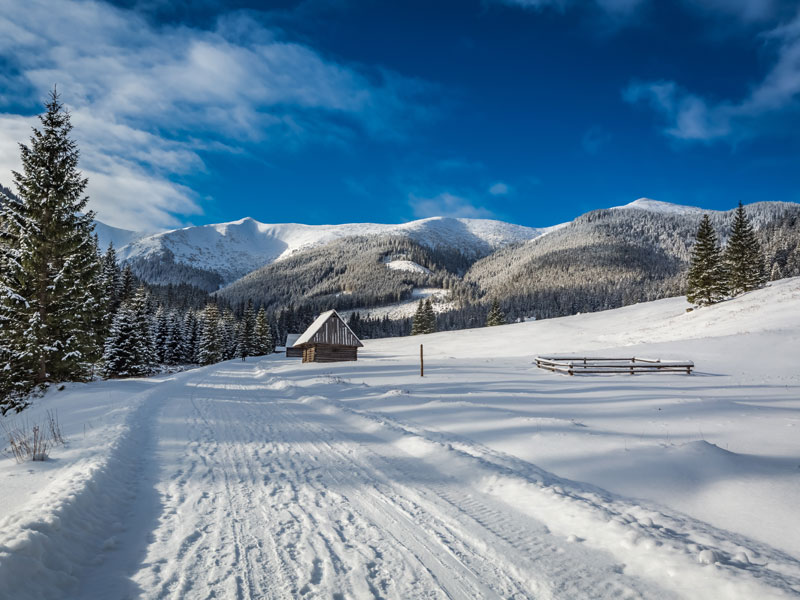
112, 279
418, 324
161, 334
210, 347
705, 282
16, 373
496, 315
263, 340
129, 349
228, 334
124, 356
143, 306
191, 338
742, 259
127, 285
246, 343
174, 352
49, 284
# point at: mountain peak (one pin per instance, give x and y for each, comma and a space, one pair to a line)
661, 207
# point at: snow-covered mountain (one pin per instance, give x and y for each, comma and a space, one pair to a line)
663, 207
234, 249
106, 234
646, 239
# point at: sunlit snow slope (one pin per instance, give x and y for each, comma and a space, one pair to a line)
487, 478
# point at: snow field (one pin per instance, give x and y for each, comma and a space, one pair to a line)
61, 516
487, 478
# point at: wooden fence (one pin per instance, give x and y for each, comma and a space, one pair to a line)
592, 364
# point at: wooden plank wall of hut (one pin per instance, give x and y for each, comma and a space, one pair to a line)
333, 331
329, 353
294, 352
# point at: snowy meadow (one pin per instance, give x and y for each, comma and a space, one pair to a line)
486, 478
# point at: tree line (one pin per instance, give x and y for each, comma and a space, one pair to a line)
67, 311
716, 273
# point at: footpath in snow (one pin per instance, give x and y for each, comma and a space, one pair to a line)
486, 479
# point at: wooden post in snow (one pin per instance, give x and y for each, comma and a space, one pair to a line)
421, 363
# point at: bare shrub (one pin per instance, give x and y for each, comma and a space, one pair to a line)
55, 428
33, 442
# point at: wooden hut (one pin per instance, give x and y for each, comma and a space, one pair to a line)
291, 351
328, 339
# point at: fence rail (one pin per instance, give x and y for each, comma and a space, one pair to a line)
596, 364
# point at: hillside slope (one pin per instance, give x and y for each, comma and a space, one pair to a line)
614, 257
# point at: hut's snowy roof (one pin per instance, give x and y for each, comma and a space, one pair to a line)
316, 332
291, 339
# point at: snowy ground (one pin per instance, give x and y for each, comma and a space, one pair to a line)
487, 478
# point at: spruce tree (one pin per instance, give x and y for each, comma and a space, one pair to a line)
424, 318
191, 336
742, 259
430, 317
210, 347
705, 283
127, 285
161, 334
112, 279
175, 353
228, 334
50, 298
418, 325
263, 340
496, 315
123, 356
142, 304
246, 344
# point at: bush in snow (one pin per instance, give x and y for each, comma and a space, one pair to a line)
33, 442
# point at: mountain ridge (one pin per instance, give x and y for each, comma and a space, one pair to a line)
236, 248
215, 256
282, 239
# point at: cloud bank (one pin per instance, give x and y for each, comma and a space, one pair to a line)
690, 117
142, 97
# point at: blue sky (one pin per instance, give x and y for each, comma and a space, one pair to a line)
332, 111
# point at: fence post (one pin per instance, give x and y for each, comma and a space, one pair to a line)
421, 363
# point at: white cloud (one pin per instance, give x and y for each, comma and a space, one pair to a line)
446, 205
142, 95
499, 189
691, 117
